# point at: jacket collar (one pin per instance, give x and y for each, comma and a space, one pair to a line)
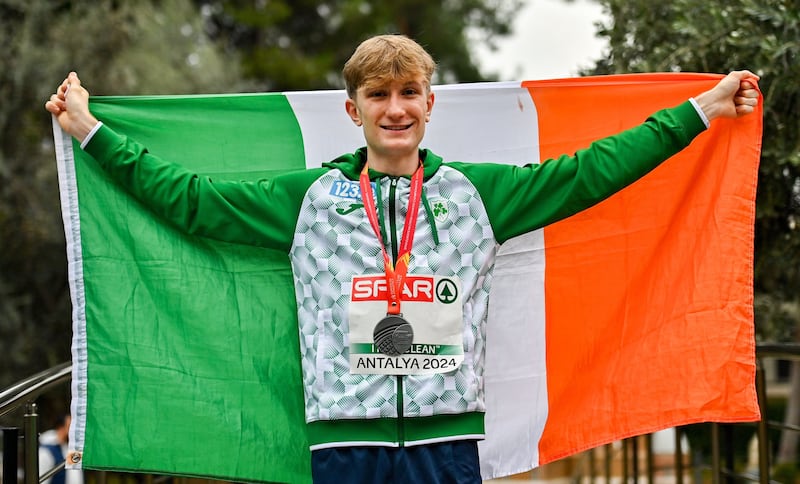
351, 164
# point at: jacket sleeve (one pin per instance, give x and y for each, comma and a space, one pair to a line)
261, 213
522, 199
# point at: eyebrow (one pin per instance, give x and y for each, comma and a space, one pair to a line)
384, 85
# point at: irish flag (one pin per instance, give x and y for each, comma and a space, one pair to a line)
630, 317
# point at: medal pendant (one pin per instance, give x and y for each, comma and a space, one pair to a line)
393, 335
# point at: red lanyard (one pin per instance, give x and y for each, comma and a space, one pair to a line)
395, 275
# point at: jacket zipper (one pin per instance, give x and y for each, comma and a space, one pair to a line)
393, 235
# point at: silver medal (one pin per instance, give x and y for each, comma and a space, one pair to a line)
393, 335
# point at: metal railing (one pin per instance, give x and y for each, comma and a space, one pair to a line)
25, 392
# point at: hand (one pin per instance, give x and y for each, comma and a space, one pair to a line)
70, 106
734, 96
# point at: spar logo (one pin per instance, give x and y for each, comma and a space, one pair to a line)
373, 288
446, 291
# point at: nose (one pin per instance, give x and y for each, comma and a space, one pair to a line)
395, 106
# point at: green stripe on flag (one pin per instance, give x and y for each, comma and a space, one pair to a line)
188, 130
189, 338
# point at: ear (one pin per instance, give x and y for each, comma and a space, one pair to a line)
429, 106
352, 111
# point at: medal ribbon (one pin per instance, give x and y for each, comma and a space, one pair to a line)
395, 275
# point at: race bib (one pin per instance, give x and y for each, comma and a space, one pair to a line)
431, 307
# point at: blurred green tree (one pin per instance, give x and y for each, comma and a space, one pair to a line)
303, 44
118, 48
176, 47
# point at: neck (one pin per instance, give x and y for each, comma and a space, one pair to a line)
395, 166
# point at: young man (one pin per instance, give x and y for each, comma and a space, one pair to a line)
377, 409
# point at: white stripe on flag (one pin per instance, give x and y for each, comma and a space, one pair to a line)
70, 213
484, 122
327, 130
515, 379
506, 131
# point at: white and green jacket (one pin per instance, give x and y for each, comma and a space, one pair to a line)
468, 210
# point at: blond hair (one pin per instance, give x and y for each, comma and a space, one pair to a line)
384, 58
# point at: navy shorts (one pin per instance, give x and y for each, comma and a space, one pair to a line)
446, 462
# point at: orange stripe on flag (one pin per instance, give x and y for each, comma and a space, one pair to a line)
649, 319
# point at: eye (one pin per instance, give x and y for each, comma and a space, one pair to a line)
376, 93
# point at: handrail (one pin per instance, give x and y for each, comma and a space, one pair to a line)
29, 388
60, 466
25, 392
778, 350
25, 383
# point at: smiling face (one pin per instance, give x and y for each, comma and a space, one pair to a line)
388, 80
392, 114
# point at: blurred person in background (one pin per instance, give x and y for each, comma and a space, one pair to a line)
53, 451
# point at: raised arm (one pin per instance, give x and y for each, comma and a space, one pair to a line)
228, 210
555, 189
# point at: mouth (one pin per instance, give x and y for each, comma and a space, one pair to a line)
396, 127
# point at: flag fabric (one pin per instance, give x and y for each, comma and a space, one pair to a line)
630, 317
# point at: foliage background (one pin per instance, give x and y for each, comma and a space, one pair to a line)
175, 47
